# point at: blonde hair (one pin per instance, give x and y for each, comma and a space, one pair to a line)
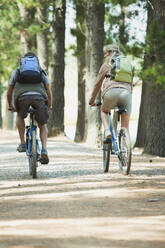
111, 48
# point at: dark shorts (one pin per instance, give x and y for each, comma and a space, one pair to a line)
38, 102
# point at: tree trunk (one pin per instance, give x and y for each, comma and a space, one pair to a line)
0, 105
42, 40
56, 121
142, 122
156, 117
155, 143
141, 138
94, 56
25, 44
156, 122
80, 126
123, 35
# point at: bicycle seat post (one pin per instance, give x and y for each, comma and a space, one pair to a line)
32, 119
31, 111
119, 111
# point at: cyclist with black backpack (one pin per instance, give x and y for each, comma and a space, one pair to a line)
29, 86
115, 80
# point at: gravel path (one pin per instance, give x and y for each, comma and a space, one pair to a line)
73, 204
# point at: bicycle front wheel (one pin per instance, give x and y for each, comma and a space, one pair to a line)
33, 155
125, 151
28, 151
106, 155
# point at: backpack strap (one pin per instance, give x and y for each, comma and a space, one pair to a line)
115, 57
44, 72
17, 74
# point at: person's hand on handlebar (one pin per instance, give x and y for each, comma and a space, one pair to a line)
12, 108
92, 104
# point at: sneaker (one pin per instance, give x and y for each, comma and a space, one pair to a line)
21, 148
107, 136
44, 156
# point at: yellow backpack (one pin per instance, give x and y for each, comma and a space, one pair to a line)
122, 70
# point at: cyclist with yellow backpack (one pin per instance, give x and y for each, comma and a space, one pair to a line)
115, 81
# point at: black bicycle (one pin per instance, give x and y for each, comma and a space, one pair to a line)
121, 144
32, 145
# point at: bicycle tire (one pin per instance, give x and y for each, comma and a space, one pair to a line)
33, 155
125, 153
27, 151
106, 156
30, 164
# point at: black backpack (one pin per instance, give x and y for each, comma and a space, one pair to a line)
30, 71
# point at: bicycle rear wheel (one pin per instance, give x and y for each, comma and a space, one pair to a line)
33, 156
106, 155
125, 153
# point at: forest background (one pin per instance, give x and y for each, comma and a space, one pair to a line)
42, 26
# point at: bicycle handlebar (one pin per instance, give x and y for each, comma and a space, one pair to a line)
98, 103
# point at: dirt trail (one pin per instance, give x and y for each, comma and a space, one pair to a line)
73, 204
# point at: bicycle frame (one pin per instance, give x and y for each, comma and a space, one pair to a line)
115, 138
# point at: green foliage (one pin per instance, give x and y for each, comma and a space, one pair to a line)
9, 38
11, 28
137, 49
79, 31
118, 17
155, 47
29, 3
155, 75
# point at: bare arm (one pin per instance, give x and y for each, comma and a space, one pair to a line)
100, 77
48, 91
9, 98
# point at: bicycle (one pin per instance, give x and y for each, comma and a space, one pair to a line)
32, 145
121, 144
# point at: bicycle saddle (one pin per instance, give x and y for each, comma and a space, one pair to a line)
120, 109
31, 110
